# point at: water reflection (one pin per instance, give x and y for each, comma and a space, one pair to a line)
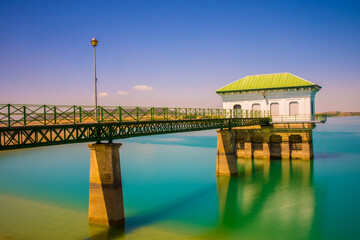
274, 197
105, 233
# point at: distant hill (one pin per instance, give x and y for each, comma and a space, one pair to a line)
340, 114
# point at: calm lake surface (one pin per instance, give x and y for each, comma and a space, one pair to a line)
171, 191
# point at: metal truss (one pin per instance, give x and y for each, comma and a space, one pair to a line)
44, 135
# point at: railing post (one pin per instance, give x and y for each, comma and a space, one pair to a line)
44, 114
175, 113
80, 114
120, 113
9, 118
24, 109
137, 114
152, 114
74, 114
54, 114
102, 113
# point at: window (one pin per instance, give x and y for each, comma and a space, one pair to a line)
237, 106
256, 107
274, 109
294, 108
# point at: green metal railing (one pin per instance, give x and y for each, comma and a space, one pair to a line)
30, 115
320, 118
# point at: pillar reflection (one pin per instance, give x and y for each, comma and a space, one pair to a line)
267, 196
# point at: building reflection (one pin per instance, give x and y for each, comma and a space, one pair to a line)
274, 197
267, 196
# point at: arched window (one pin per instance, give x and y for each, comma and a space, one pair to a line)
293, 108
274, 109
275, 139
237, 106
256, 107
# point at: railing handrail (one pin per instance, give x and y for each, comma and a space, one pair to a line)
300, 117
34, 114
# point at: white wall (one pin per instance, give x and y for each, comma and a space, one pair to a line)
283, 96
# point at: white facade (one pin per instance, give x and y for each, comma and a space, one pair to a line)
287, 104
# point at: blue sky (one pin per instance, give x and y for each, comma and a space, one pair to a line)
183, 50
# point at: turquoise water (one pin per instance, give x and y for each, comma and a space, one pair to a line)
171, 191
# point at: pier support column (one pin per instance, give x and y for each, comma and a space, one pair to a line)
106, 205
248, 146
248, 150
307, 151
285, 147
226, 163
266, 151
266, 147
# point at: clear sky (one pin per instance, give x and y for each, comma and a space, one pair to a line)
175, 53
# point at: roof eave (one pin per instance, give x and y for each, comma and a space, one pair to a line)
317, 87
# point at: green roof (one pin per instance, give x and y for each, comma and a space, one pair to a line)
267, 81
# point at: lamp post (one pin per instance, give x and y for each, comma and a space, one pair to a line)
94, 42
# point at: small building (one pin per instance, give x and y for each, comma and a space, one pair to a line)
283, 95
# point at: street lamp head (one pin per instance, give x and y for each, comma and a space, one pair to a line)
94, 42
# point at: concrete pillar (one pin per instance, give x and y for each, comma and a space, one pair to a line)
285, 150
226, 163
266, 151
307, 151
248, 146
106, 205
266, 146
248, 150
